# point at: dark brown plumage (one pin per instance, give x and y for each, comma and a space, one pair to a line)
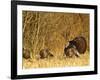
80, 44
76, 47
26, 54
71, 51
45, 53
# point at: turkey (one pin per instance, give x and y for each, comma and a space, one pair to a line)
76, 47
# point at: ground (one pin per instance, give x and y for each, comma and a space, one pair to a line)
83, 60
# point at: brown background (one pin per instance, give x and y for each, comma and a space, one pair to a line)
53, 30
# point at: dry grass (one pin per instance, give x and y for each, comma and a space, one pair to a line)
83, 60
53, 30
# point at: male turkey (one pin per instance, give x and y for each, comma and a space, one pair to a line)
76, 47
80, 44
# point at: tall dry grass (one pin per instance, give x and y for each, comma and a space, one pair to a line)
53, 30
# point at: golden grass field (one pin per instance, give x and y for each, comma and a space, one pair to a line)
83, 60
53, 30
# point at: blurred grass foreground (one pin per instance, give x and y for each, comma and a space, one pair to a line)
53, 30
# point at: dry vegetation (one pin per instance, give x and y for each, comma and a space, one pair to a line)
53, 30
